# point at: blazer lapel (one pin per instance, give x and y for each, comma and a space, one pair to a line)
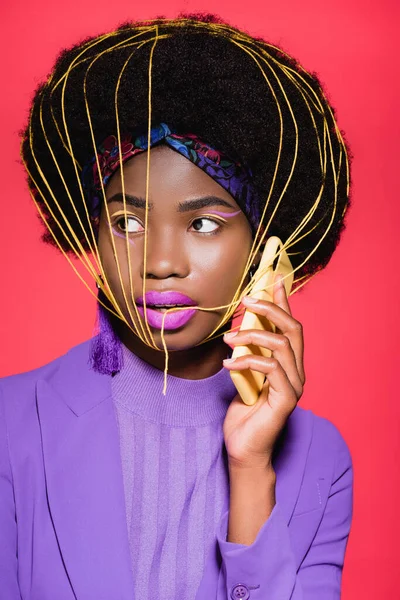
84, 478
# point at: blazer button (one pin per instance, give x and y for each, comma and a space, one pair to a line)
240, 592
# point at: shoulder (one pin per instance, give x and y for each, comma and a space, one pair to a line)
311, 448
329, 443
20, 388
306, 428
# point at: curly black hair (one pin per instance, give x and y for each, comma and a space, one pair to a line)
202, 82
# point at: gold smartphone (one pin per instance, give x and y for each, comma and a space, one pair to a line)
274, 259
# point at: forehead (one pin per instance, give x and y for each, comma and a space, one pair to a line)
170, 174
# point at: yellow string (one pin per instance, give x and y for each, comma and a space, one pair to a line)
106, 283
126, 233
148, 182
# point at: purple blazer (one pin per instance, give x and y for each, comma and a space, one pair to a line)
63, 531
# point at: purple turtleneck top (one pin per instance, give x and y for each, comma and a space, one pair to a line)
175, 473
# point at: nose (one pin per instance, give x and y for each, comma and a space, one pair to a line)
165, 256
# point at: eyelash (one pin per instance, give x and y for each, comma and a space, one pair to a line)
204, 218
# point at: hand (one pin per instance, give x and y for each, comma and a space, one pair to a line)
250, 432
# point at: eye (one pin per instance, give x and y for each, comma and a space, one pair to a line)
211, 227
128, 224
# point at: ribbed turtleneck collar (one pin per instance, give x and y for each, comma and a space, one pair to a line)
188, 402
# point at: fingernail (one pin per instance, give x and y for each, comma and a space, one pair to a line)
249, 299
279, 279
230, 335
228, 361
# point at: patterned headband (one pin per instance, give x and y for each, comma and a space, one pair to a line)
232, 176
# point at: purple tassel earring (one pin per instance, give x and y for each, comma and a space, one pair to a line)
106, 348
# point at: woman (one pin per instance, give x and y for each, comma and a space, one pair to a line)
163, 155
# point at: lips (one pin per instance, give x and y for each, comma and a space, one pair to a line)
160, 301
165, 299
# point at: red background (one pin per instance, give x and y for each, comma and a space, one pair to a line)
349, 311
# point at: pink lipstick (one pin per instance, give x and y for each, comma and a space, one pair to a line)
158, 302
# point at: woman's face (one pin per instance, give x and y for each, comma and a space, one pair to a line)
198, 241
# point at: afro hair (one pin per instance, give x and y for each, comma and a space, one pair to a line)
205, 79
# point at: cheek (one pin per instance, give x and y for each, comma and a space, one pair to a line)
222, 269
109, 258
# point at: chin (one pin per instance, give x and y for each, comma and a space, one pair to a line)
182, 338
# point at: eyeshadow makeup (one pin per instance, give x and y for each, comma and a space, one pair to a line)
224, 214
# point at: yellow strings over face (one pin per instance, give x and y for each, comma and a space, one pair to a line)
273, 72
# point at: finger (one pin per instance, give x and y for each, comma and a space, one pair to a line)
275, 313
279, 345
281, 299
279, 295
277, 378
286, 324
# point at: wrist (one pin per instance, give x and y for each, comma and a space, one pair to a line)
260, 467
252, 499
260, 479
259, 482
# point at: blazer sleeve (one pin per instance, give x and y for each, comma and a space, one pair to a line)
8, 526
268, 567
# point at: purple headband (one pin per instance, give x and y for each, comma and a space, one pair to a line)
232, 176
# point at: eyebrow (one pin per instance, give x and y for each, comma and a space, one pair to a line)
182, 206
